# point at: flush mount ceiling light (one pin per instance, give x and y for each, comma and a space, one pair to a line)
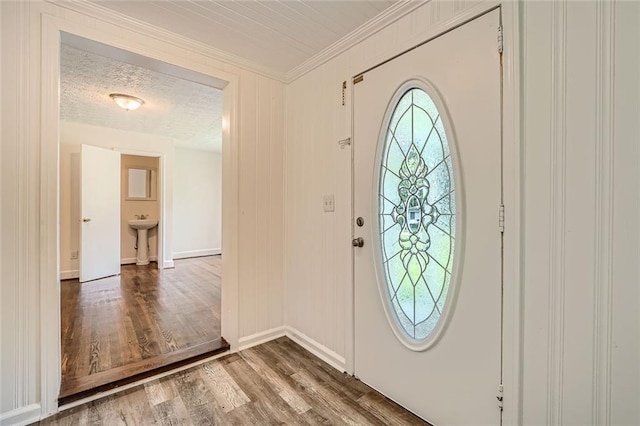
127, 102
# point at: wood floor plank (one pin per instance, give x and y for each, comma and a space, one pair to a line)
277, 382
280, 384
226, 391
197, 398
141, 315
260, 391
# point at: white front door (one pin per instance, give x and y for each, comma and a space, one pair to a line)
427, 191
100, 213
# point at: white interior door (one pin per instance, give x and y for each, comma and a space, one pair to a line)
100, 213
427, 187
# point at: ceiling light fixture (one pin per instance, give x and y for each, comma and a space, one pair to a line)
127, 102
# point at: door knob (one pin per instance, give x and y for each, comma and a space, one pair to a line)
86, 219
357, 242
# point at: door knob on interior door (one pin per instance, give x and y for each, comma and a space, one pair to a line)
86, 219
357, 242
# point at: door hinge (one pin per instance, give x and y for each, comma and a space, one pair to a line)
358, 79
500, 40
501, 217
344, 89
500, 396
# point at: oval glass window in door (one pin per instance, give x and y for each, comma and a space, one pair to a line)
417, 215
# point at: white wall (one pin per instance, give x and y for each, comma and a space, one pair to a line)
579, 203
581, 192
72, 135
24, 383
197, 203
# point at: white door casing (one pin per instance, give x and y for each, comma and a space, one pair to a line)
100, 213
452, 377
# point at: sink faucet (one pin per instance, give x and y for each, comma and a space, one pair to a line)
141, 216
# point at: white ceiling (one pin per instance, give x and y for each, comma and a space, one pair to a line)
188, 112
277, 34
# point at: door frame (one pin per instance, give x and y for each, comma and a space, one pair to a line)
184, 55
512, 169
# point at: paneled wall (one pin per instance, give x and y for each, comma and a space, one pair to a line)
260, 148
578, 173
261, 220
580, 193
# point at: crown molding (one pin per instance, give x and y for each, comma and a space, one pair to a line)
364, 31
102, 13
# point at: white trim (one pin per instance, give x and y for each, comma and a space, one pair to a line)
196, 253
181, 53
69, 275
21, 416
317, 349
168, 264
321, 351
363, 32
130, 260
111, 17
261, 337
513, 200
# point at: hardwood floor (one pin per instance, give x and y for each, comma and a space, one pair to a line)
275, 383
142, 320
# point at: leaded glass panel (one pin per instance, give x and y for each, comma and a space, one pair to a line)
417, 214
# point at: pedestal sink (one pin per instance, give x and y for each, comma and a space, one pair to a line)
142, 226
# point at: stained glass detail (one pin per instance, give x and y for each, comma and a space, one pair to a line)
417, 214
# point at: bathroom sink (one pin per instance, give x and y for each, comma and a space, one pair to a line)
142, 223
142, 242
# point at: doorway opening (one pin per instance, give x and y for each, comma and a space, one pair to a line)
145, 313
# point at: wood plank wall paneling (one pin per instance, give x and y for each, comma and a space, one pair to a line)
573, 130
20, 180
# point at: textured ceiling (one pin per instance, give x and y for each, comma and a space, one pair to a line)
188, 112
277, 34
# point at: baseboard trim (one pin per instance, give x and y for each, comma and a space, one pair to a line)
168, 264
70, 275
21, 416
132, 260
327, 355
196, 253
259, 338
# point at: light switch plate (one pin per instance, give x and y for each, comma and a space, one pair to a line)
328, 203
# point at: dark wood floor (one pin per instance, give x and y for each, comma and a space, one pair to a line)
141, 320
275, 383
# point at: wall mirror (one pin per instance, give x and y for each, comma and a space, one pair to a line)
141, 183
